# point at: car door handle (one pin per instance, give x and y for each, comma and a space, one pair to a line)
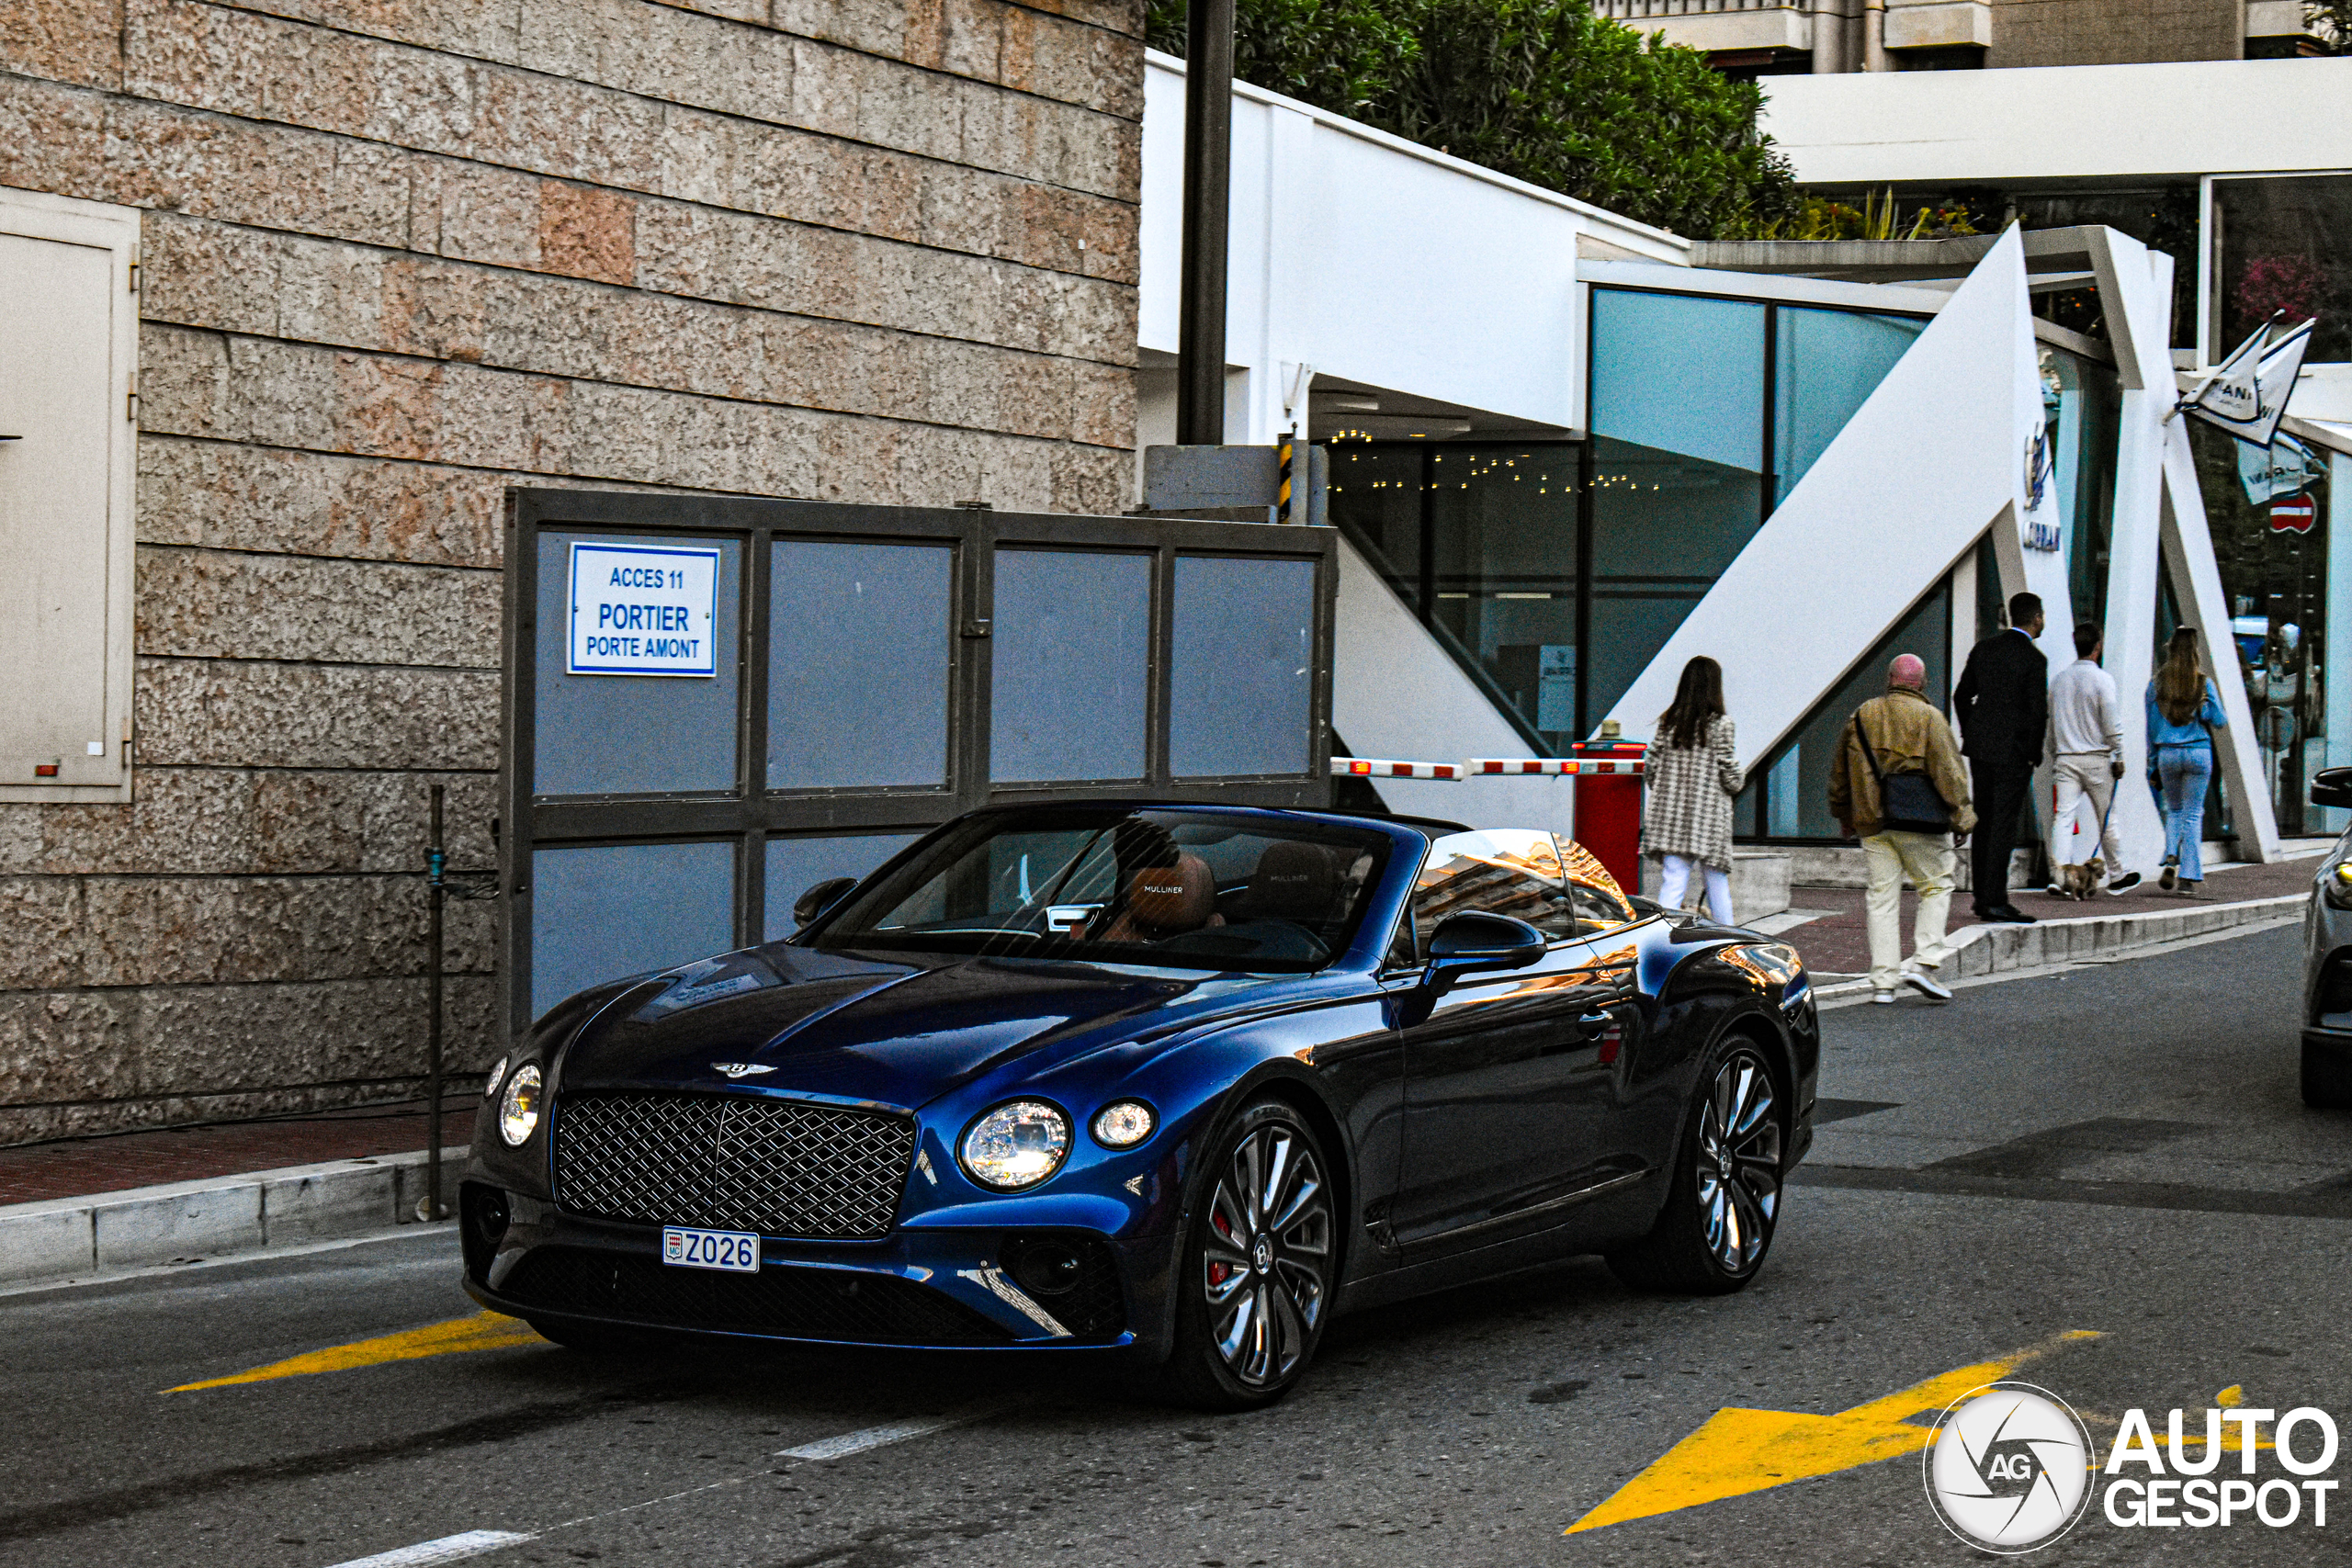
1593, 1025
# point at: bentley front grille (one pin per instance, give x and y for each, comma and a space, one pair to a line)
731, 1162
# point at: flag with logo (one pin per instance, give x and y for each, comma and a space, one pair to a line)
2246, 393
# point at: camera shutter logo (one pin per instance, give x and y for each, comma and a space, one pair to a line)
2009, 1469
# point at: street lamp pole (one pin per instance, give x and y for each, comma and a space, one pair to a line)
1208, 169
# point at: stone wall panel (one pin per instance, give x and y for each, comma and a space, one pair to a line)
404, 254
257, 498
57, 1046
190, 821
230, 1038
44, 932
223, 713
231, 61
230, 604
283, 394
245, 821
166, 930
63, 41
300, 182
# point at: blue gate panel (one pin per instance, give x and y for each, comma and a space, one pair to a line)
858, 665
794, 865
614, 910
1071, 671
1241, 675
633, 734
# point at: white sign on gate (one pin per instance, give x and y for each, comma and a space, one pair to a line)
643, 610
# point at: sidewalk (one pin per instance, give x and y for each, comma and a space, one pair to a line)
1826, 924
116, 1162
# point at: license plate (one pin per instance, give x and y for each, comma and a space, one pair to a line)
733, 1251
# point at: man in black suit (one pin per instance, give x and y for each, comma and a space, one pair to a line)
2002, 706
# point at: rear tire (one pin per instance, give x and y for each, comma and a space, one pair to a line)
2327, 1078
1259, 1266
1724, 1200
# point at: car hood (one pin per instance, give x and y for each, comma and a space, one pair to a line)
897, 1030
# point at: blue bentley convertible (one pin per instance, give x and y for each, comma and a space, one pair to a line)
1182, 1079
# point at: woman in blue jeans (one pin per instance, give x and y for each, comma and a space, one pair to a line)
2183, 711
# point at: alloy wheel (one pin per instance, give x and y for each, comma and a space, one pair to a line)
1738, 1185
1266, 1260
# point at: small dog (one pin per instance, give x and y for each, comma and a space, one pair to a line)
2079, 882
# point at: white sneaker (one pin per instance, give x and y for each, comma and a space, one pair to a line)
1885, 996
1925, 987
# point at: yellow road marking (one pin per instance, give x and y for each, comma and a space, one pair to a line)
484, 1331
1739, 1452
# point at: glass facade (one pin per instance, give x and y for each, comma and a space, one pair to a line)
1824, 362
2081, 403
1788, 792
2269, 517
1555, 571
2282, 242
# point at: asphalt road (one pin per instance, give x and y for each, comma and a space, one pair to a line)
2118, 1149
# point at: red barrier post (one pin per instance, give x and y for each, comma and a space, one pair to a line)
1609, 806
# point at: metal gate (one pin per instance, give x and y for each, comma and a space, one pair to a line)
711, 705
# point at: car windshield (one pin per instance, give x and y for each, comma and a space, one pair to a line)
1169, 888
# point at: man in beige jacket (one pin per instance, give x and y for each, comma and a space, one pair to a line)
1906, 734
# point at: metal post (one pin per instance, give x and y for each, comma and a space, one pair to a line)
436, 864
1208, 168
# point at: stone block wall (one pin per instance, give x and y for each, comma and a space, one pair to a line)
2115, 32
397, 255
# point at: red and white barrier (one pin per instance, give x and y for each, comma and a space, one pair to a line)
1369, 768
1481, 767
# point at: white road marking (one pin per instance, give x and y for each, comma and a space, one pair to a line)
448, 1548
896, 1432
473, 1543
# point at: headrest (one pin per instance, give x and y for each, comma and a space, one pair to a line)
1179, 898
1294, 882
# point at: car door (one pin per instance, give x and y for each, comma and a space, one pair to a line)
1509, 1078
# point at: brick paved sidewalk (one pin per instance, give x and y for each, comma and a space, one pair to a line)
75, 1167
1838, 943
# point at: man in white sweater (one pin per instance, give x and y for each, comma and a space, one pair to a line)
2086, 759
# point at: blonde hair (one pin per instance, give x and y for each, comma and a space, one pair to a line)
2180, 683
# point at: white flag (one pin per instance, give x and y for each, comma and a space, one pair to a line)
2246, 393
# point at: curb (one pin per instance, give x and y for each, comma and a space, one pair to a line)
61, 1239
1995, 949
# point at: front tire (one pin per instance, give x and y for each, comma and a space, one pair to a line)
2328, 1078
1724, 1202
1255, 1283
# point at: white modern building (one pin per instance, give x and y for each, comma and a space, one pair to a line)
1569, 452
2241, 170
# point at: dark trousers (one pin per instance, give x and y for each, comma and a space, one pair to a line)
1999, 788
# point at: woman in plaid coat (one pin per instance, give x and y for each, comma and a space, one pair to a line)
1692, 778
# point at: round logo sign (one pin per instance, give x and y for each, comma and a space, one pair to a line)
2009, 1469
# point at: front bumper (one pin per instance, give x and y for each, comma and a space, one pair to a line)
920, 1287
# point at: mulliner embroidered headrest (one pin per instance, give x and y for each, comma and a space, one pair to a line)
1294, 882
1173, 898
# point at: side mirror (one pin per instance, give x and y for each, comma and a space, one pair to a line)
1475, 943
820, 898
2332, 786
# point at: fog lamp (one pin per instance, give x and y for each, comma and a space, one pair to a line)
1123, 1123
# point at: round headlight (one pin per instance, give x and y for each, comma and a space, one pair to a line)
1123, 1123
1016, 1145
518, 1109
497, 1076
